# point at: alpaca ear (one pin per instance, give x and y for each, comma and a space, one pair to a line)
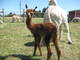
26, 6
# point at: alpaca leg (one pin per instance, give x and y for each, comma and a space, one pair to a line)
49, 51
47, 41
37, 45
35, 48
56, 43
60, 32
40, 50
68, 33
61, 35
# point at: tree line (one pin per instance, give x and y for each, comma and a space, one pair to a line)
38, 14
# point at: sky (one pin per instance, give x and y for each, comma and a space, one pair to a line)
13, 5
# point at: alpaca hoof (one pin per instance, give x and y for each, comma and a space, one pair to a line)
69, 42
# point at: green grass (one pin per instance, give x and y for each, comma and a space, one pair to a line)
15, 41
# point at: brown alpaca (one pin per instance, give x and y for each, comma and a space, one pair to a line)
47, 31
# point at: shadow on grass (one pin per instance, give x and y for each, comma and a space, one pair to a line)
22, 57
31, 44
29, 35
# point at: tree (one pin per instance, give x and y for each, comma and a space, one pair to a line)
10, 14
43, 11
38, 14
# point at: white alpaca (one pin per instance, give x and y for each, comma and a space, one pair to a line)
56, 14
16, 18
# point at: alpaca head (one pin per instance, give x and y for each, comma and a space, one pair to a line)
52, 2
30, 11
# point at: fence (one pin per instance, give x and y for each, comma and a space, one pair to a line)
5, 17
2, 14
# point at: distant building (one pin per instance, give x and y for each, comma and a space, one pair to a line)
73, 14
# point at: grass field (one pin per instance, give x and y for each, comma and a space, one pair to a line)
16, 43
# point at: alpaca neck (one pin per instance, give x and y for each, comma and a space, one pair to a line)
53, 2
28, 20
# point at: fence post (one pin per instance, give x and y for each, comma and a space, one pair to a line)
3, 14
23, 15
